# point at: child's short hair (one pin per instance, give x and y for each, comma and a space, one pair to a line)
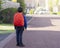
20, 9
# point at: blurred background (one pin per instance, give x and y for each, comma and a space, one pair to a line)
38, 7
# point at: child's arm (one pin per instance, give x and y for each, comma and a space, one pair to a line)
25, 22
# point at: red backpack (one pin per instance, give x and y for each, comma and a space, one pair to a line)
18, 19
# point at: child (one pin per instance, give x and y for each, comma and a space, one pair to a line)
19, 24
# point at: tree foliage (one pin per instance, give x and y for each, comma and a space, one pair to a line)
6, 16
22, 4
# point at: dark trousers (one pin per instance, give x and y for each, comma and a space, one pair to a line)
19, 33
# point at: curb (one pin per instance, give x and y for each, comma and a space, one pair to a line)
5, 41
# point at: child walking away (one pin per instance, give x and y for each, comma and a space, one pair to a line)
20, 23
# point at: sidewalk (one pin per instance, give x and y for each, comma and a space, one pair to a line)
41, 33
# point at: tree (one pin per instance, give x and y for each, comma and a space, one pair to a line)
22, 4
50, 5
6, 15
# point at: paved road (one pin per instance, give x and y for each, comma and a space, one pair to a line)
42, 32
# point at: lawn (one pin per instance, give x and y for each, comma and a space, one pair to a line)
6, 28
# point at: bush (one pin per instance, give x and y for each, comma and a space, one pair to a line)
31, 11
58, 13
7, 15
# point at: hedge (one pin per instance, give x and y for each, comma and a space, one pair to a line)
6, 15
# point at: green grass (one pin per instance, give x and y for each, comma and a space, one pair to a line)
57, 13
6, 24
6, 31
6, 28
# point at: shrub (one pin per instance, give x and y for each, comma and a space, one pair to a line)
58, 13
7, 15
31, 11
